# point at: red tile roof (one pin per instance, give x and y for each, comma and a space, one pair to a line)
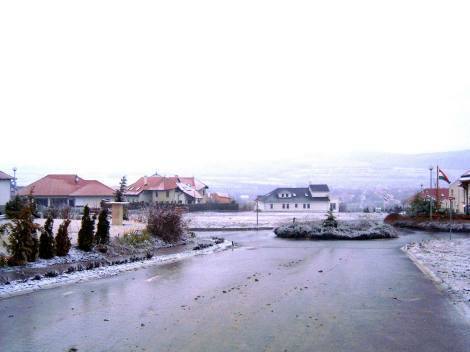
163, 183
67, 185
221, 198
443, 193
4, 176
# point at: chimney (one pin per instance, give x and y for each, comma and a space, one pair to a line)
145, 181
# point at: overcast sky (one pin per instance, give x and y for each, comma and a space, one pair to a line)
115, 86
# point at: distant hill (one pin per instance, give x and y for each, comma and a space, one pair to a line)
367, 171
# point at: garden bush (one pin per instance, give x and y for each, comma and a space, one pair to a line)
166, 223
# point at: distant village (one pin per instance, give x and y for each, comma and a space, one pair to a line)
69, 190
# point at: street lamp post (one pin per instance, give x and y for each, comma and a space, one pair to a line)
257, 213
430, 192
451, 199
14, 181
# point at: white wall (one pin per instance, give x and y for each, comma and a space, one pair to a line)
4, 191
93, 202
320, 194
315, 207
458, 204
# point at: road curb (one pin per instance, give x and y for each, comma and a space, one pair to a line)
461, 307
427, 272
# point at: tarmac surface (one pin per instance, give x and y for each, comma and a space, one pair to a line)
267, 294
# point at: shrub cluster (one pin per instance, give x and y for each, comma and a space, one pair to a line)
135, 238
166, 223
24, 246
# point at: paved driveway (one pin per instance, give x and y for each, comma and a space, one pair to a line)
268, 295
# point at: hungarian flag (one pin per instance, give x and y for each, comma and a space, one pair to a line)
442, 176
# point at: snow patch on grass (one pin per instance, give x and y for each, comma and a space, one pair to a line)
449, 261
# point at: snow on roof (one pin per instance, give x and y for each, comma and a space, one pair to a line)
4, 176
189, 190
465, 176
163, 183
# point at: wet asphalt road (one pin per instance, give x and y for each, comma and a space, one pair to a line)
268, 295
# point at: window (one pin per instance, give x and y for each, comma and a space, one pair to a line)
271, 206
303, 206
283, 206
168, 194
287, 205
332, 206
308, 206
296, 205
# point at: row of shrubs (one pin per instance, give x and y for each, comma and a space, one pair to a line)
24, 246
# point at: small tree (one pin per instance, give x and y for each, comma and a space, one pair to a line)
119, 194
14, 207
85, 235
46, 240
330, 220
102, 229
62, 239
22, 242
418, 206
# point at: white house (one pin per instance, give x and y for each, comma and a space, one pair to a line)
68, 190
314, 198
5, 189
458, 193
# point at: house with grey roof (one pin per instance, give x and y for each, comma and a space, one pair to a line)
314, 198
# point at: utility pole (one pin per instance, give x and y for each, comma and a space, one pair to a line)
450, 216
430, 190
437, 189
14, 181
257, 211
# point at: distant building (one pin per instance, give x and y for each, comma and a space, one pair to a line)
430, 193
5, 189
459, 194
314, 198
162, 189
220, 198
68, 190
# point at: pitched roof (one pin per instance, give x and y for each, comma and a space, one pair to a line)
299, 194
443, 193
4, 176
465, 176
163, 183
67, 185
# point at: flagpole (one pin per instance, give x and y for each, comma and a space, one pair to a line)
430, 192
437, 187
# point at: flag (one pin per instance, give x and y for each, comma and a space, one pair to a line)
442, 176
387, 197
